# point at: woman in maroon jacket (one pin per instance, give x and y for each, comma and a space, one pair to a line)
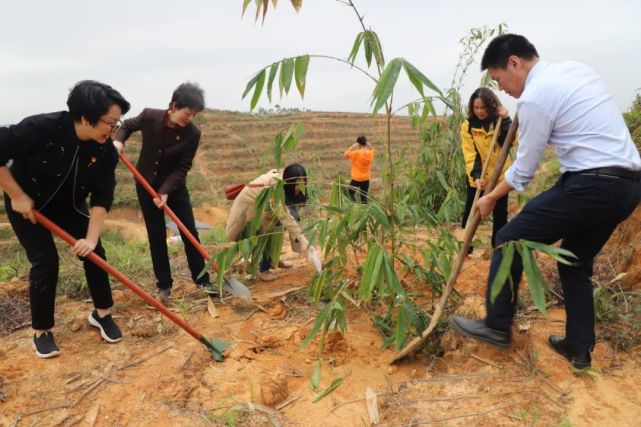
169, 144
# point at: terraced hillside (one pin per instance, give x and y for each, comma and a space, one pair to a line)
235, 147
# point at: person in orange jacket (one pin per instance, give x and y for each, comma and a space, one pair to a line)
361, 155
477, 132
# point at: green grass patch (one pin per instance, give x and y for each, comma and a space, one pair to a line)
214, 236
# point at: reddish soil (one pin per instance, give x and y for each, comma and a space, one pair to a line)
158, 375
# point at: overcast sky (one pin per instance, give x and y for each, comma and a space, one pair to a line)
145, 48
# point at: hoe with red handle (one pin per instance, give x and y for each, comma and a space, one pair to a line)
232, 285
216, 347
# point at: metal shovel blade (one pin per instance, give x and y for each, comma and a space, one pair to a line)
236, 288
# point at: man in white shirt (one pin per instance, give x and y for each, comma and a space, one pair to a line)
567, 106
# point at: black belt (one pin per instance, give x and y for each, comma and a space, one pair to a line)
610, 171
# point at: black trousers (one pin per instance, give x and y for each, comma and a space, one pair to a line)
583, 211
180, 203
499, 214
43, 256
361, 186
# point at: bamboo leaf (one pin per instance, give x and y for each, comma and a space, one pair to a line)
297, 4
536, 283
412, 70
259, 89
278, 149
245, 250
392, 279
503, 272
385, 86
376, 272
338, 381
559, 254
320, 319
401, 328
418, 84
293, 136
298, 130
315, 380
372, 256
245, 4
261, 4
357, 44
286, 73
318, 284
368, 49
300, 72
380, 217
251, 83
441, 180
377, 49
272, 74
428, 108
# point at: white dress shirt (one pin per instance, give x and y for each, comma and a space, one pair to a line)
567, 106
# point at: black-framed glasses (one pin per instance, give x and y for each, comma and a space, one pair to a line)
115, 125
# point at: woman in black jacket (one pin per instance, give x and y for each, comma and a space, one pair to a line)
52, 163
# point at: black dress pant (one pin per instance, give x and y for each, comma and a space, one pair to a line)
583, 211
180, 203
499, 214
362, 187
43, 256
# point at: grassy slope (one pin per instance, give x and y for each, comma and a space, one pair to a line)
236, 147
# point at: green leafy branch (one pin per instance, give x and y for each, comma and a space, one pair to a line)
536, 283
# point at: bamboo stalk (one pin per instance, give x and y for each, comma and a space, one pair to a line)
472, 225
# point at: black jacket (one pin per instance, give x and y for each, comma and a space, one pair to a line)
166, 154
45, 150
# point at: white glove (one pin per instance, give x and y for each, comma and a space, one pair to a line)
312, 256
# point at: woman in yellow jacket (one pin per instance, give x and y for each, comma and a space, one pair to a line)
477, 132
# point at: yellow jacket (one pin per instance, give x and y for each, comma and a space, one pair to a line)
476, 144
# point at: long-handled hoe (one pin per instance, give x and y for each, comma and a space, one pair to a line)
470, 229
216, 347
231, 284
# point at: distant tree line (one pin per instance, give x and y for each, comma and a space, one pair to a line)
278, 110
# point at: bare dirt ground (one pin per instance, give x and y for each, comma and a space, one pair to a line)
158, 375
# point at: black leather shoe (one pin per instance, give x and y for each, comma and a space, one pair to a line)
477, 329
579, 361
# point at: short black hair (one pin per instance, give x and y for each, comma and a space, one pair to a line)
291, 174
502, 47
189, 95
490, 100
361, 140
91, 99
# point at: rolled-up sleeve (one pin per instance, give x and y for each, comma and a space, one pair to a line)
535, 128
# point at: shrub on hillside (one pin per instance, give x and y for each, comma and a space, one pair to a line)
633, 120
